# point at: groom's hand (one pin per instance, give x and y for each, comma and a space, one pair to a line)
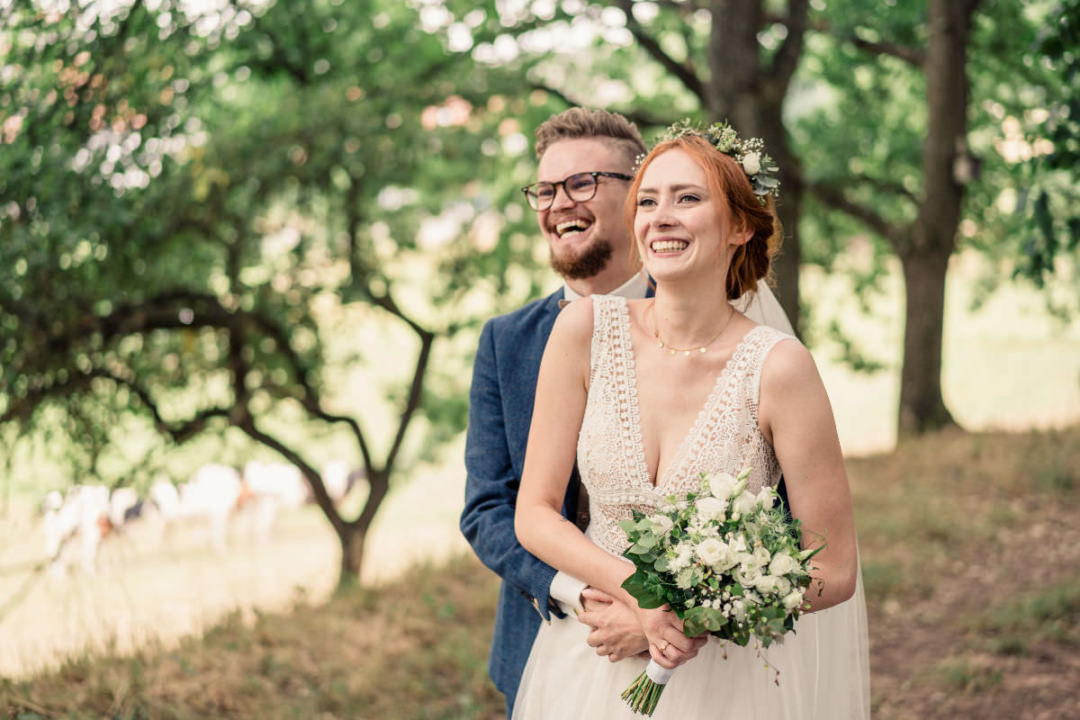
616, 632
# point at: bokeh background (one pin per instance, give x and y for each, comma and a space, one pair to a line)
238, 232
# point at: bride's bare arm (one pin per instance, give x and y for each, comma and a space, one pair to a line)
559, 407
796, 418
561, 390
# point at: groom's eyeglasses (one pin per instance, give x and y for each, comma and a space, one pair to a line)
579, 187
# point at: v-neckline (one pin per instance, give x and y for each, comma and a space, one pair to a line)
674, 467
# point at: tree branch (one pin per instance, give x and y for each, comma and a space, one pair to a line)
835, 199
912, 56
684, 72
639, 117
786, 60
314, 479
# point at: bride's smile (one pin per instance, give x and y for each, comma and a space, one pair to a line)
678, 226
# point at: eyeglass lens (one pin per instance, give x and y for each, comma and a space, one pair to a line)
580, 188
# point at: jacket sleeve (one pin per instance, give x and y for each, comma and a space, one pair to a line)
491, 487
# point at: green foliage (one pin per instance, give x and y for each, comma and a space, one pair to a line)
197, 209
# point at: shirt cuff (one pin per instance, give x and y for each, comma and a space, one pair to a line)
566, 589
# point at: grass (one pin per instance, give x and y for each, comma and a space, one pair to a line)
963, 542
414, 649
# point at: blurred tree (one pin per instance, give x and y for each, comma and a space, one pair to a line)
883, 125
913, 140
210, 219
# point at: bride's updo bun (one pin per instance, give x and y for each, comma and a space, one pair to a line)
751, 261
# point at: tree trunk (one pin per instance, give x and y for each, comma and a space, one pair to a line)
925, 258
733, 91
789, 206
922, 407
353, 535
352, 539
750, 95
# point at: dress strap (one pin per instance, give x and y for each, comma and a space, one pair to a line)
765, 338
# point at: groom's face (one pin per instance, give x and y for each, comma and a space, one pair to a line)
584, 236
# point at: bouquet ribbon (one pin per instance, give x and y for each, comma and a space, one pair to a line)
657, 673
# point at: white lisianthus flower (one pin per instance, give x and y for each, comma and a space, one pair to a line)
751, 163
717, 555
767, 584
761, 556
683, 554
747, 575
662, 524
722, 486
783, 586
712, 508
710, 551
744, 503
793, 599
783, 564
765, 496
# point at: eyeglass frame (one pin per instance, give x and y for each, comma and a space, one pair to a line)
555, 187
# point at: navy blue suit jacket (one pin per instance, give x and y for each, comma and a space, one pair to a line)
500, 411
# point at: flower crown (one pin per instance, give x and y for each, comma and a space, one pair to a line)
749, 153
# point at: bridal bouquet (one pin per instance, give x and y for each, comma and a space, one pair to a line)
727, 561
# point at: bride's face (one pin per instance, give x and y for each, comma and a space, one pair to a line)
679, 226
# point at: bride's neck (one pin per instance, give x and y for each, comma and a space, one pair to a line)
689, 318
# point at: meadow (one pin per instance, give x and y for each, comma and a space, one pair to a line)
970, 557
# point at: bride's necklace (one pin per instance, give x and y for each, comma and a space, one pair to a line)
672, 350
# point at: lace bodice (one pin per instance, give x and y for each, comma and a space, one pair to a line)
611, 457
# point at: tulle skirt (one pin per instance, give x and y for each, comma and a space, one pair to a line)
824, 674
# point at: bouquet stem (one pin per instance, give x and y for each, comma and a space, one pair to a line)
644, 693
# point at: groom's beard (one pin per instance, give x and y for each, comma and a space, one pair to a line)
588, 263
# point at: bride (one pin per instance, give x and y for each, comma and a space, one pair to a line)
647, 394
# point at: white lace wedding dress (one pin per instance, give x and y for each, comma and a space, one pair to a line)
823, 668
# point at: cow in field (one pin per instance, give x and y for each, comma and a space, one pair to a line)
75, 523
208, 499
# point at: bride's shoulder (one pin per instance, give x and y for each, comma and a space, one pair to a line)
575, 321
787, 364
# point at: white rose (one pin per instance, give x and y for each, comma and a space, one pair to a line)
722, 486
751, 163
711, 508
783, 564
783, 586
793, 599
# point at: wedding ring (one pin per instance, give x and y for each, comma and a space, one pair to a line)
663, 648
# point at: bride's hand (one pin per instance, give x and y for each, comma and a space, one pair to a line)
668, 646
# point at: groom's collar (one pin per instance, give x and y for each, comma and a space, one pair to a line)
634, 288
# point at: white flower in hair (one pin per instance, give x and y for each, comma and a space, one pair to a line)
751, 163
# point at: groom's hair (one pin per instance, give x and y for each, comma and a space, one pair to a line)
580, 123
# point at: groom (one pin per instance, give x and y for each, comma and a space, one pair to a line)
586, 159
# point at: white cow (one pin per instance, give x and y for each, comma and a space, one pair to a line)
338, 479
209, 497
79, 520
271, 488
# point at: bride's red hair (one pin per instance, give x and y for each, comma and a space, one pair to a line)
751, 261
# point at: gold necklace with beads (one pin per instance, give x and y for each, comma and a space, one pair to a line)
672, 350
